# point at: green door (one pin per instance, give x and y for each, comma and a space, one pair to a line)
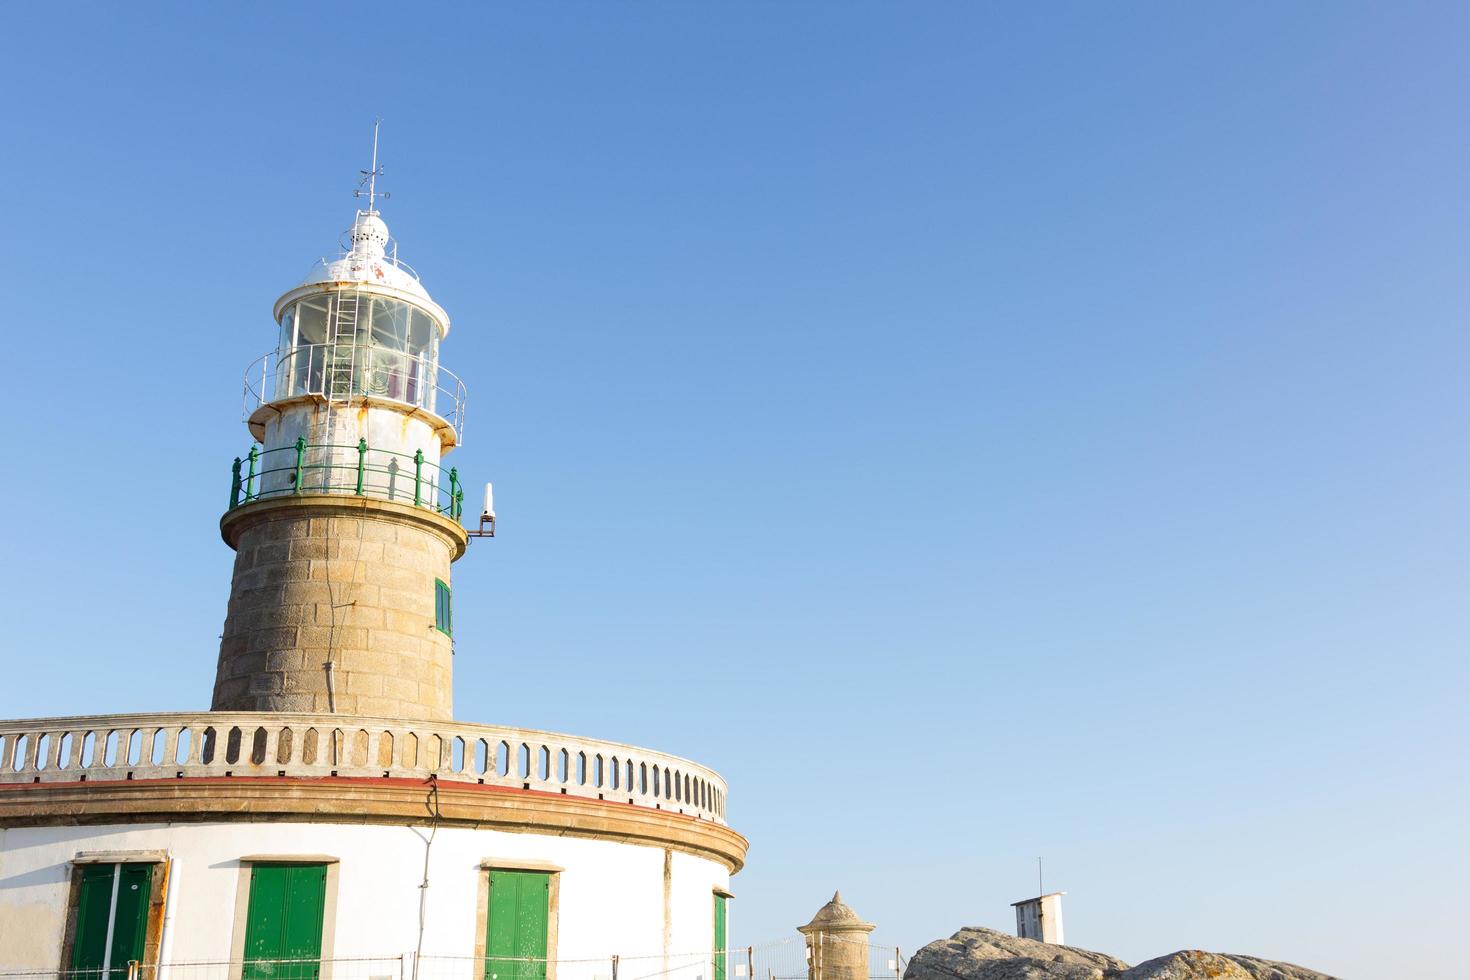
113, 905
515, 926
283, 931
721, 942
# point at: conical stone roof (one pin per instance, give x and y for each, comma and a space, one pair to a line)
836, 916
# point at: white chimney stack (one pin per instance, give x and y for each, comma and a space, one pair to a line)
489, 510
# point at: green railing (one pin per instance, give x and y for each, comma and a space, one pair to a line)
359, 471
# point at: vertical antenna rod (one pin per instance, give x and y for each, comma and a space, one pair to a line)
373, 177
370, 177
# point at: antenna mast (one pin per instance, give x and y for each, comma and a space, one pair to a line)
370, 177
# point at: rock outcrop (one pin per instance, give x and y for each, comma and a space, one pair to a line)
985, 954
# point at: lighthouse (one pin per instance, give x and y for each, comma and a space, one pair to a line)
330, 816
344, 515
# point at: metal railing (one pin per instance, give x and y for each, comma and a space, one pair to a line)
345, 371
359, 470
326, 269
217, 743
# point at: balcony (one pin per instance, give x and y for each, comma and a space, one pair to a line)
360, 471
351, 372
217, 744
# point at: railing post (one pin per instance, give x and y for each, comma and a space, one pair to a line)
250, 475
300, 458
418, 477
454, 494
235, 484
361, 462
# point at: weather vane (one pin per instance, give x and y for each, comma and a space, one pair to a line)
370, 177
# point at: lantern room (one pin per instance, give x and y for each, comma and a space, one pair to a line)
352, 397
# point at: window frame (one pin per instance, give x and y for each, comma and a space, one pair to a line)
443, 608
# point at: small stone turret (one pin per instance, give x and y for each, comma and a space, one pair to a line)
836, 942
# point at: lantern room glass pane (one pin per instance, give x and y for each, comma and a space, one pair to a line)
311, 321
385, 348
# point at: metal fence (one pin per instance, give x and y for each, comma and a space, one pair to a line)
780, 960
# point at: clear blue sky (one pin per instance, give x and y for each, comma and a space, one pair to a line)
980, 431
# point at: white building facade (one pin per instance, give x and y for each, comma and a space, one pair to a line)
328, 817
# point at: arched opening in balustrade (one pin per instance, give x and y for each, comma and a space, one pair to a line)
158, 747
63, 752
43, 750
409, 757
182, 744
456, 754
543, 764
232, 745
616, 771
285, 740
562, 768
523, 761
17, 756
502, 759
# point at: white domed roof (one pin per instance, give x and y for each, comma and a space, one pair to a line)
367, 260
369, 263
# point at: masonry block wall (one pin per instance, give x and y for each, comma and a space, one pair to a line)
349, 581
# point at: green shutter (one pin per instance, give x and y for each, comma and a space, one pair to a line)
94, 911
284, 921
721, 942
130, 919
443, 608
127, 916
515, 925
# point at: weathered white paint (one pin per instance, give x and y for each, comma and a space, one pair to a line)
611, 894
387, 431
1041, 918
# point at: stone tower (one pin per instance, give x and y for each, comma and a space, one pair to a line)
836, 943
343, 517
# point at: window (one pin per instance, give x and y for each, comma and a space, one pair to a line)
283, 926
516, 925
111, 918
721, 940
443, 614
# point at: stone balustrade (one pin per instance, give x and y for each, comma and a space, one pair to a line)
179, 745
